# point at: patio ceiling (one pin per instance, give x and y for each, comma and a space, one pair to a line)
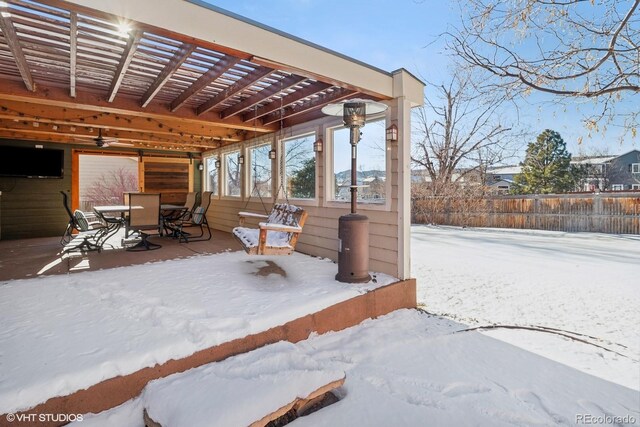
67, 70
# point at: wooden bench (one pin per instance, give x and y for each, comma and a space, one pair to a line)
277, 235
278, 381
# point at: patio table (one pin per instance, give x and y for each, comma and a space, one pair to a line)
169, 213
113, 222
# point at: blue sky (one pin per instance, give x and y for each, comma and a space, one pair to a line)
392, 34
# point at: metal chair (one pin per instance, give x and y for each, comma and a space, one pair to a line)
144, 215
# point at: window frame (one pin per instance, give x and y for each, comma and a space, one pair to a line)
280, 190
329, 172
249, 170
617, 187
223, 171
205, 174
635, 168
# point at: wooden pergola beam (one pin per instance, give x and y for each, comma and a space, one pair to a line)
296, 96
261, 96
221, 67
11, 37
169, 70
96, 103
248, 80
125, 60
73, 53
314, 104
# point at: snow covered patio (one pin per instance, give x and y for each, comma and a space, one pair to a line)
111, 331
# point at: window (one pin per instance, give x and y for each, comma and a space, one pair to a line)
635, 186
617, 187
635, 168
372, 161
212, 176
300, 167
260, 171
232, 174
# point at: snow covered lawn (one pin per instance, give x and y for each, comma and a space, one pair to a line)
585, 283
62, 333
411, 369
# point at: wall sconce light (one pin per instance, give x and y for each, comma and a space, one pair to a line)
218, 163
317, 146
272, 153
201, 167
241, 159
392, 133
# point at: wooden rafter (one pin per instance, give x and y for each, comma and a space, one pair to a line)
248, 80
221, 67
287, 100
73, 52
87, 101
262, 96
316, 103
125, 60
11, 37
169, 70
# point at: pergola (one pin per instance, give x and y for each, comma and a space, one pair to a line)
182, 79
67, 70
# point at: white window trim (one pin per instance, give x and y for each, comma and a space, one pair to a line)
617, 187
223, 172
205, 174
329, 170
249, 161
280, 191
635, 168
635, 186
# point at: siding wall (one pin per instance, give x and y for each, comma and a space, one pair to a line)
320, 234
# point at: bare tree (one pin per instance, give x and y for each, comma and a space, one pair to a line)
108, 189
569, 48
459, 133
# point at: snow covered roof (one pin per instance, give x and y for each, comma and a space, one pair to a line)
506, 170
594, 160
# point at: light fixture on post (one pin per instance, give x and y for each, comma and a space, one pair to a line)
218, 163
201, 166
241, 159
317, 146
272, 153
392, 133
353, 229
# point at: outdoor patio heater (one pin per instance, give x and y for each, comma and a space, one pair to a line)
353, 229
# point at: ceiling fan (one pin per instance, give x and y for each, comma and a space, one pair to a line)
106, 141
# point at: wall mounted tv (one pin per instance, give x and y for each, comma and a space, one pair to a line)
31, 162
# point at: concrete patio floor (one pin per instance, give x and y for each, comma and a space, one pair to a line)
26, 258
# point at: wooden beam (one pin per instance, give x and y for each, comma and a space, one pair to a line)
235, 88
96, 103
263, 95
125, 60
11, 37
221, 67
73, 51
169, 70
317, 103
296, 96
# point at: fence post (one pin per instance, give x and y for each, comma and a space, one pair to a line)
598, 213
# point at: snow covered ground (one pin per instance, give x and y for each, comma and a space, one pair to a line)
586, 283
412, 368
62, 333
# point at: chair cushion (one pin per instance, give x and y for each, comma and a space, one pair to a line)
251, 236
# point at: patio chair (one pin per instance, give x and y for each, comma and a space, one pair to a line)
197, 218
144, 215
73, 226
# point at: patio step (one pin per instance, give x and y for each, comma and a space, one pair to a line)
277, 383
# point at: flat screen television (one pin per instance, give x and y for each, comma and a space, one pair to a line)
30, 162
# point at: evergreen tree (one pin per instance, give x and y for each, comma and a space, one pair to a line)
303, 182
546, 168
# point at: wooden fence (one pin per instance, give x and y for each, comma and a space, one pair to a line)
615, 213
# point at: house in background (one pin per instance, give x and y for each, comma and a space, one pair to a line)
500, 179
611, 173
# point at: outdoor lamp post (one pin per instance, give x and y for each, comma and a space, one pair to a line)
353, 229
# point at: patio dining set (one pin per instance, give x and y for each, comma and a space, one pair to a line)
140, 215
